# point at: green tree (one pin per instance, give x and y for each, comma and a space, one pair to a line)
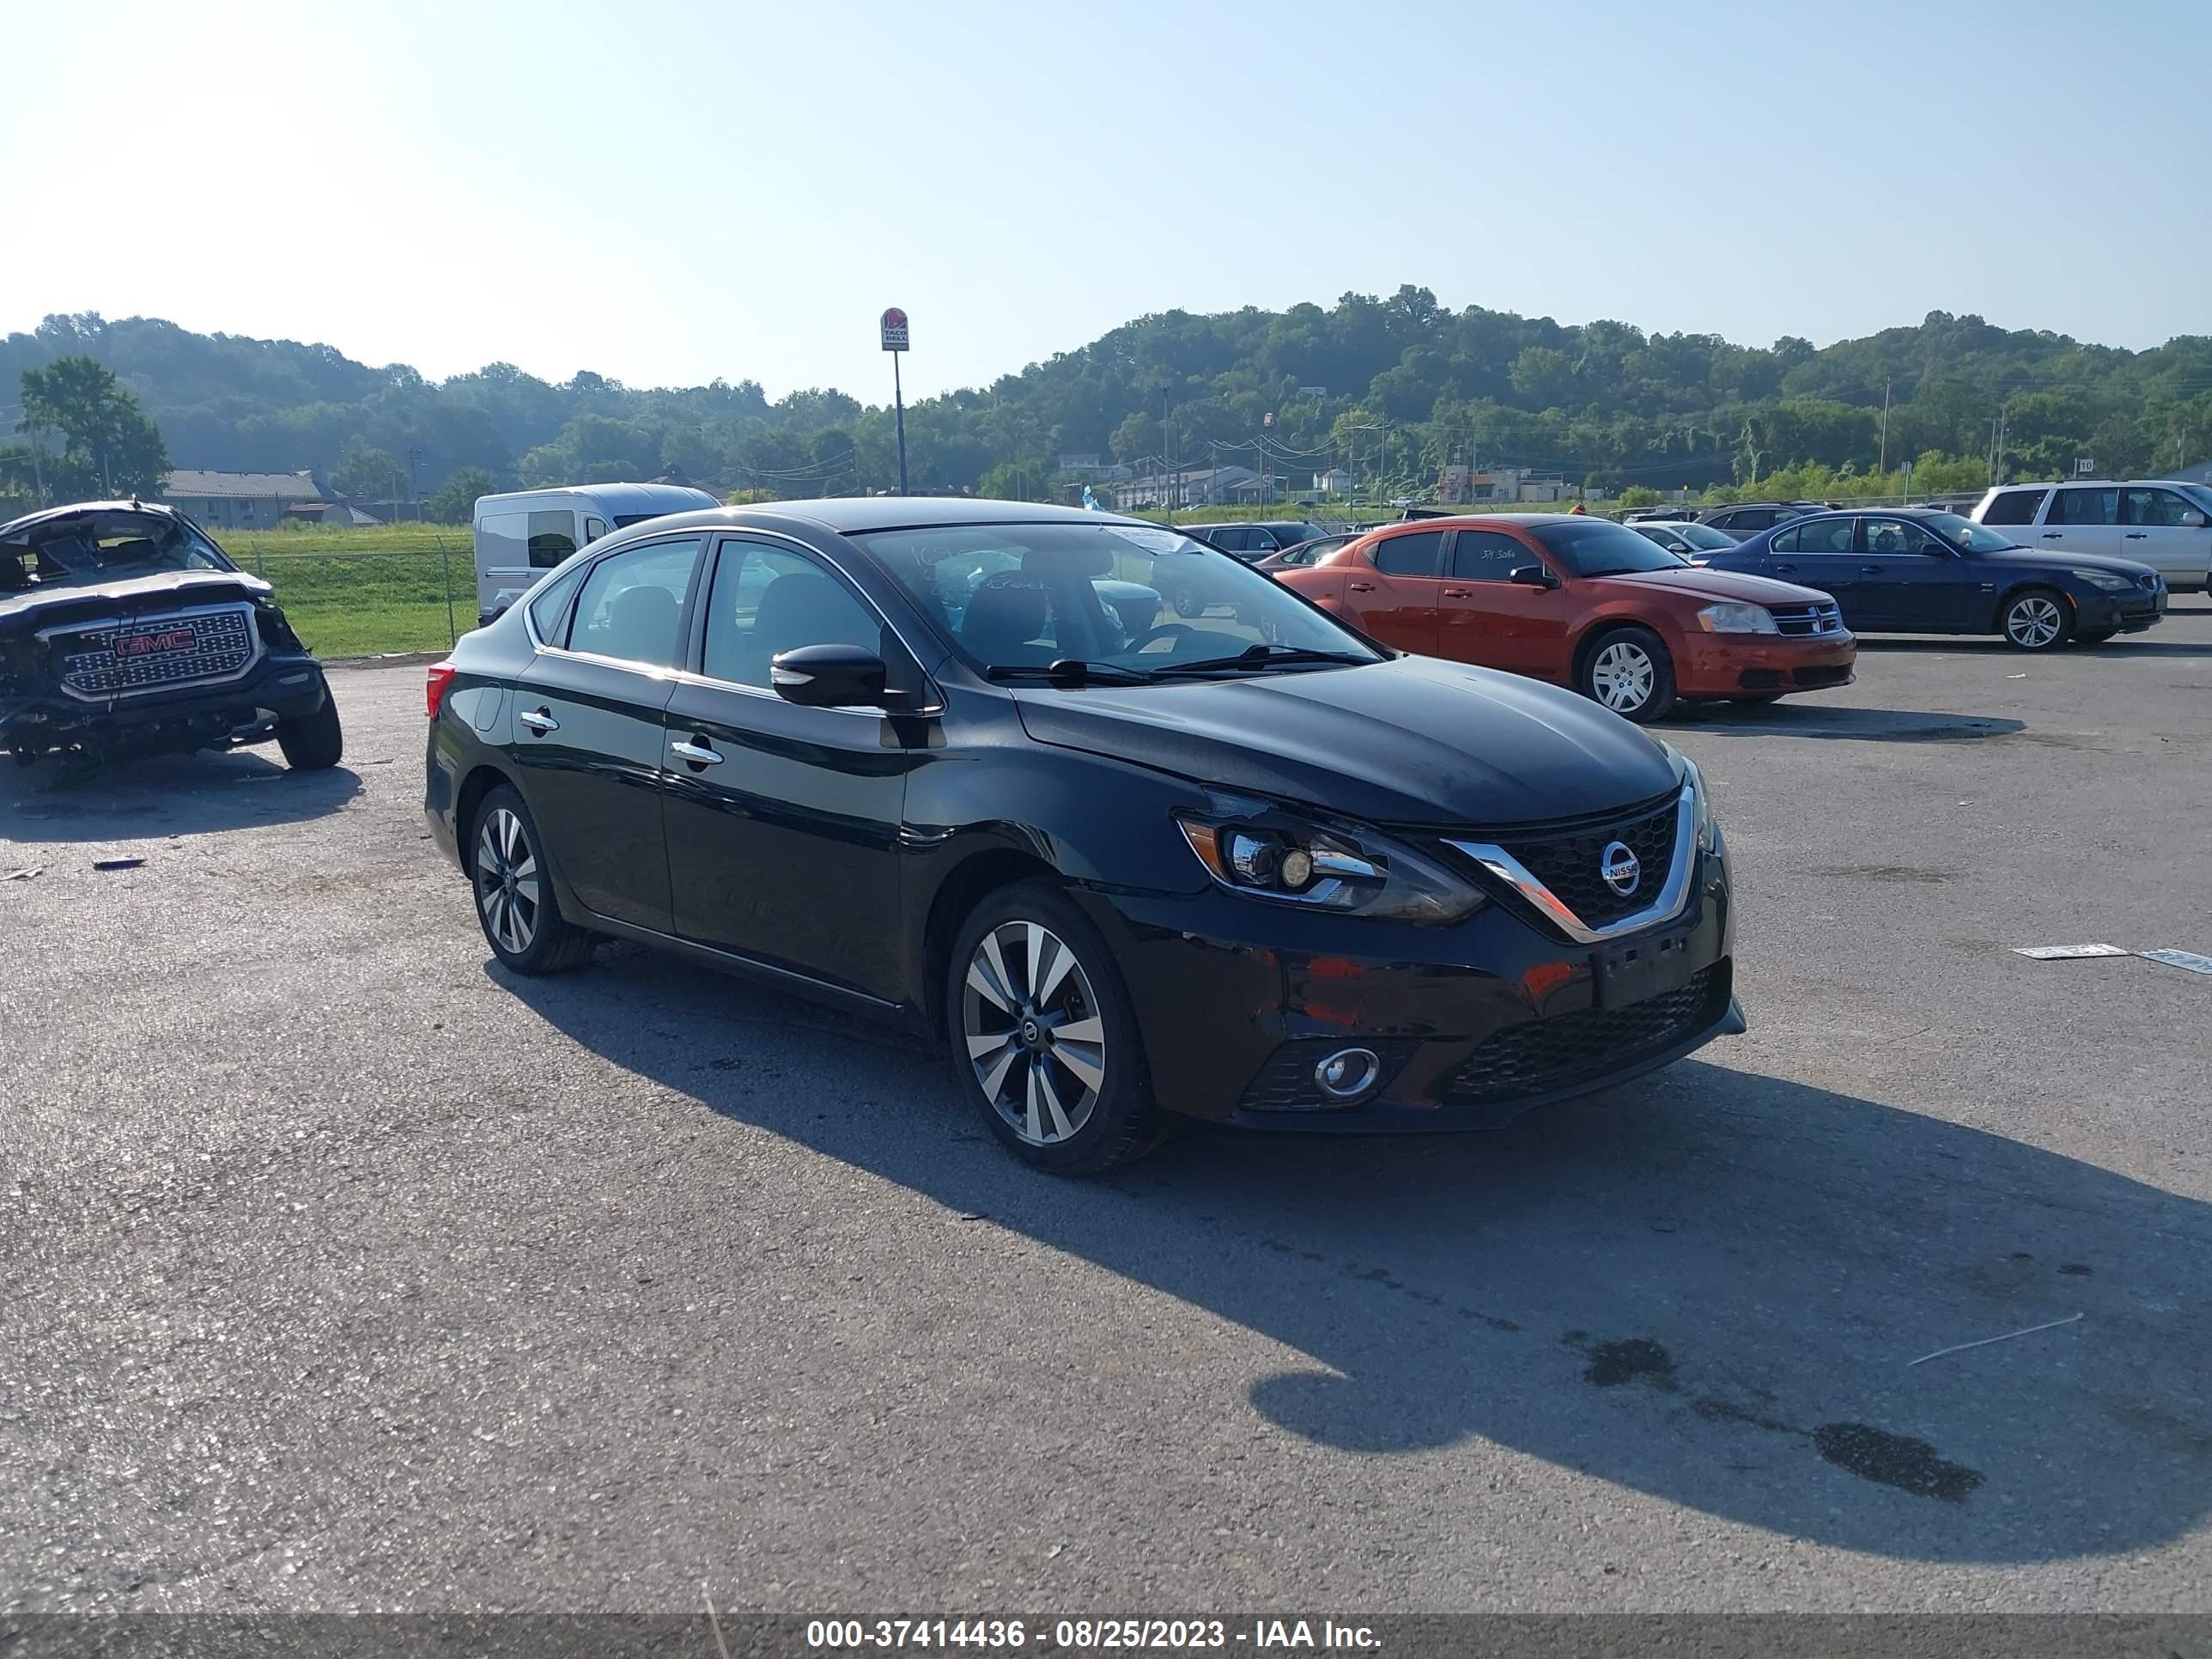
108, 446
456, 502
1137, 436
370, 474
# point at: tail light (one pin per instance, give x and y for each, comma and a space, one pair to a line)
434, 689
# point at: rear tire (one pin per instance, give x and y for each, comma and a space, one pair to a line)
313, 743
515, 906
2036, 619
1628, 671
1044, 1040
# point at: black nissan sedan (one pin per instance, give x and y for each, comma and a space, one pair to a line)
1912, 570
953, 764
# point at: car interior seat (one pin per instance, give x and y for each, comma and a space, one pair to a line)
1005, 615
641, 625
798, 609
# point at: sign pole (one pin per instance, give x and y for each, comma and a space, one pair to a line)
894, 327
898, 409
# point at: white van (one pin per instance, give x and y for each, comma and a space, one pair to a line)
523, 534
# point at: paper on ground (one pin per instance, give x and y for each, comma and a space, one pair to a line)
2060, 953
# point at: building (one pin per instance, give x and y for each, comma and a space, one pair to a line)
1195, 486
1335, 481
243, 500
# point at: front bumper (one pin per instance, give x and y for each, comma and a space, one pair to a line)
282, 685
2124, 613
1473, 1024
1733, 664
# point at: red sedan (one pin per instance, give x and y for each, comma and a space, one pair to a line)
1585, 602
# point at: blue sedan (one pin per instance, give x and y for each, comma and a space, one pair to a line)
1912, 570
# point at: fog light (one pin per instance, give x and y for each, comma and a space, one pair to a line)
1347, 1073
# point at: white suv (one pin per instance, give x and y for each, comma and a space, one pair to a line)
2157, 522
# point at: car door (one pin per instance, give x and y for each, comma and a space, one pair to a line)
1485, 617
1821, 553
2081, 519
2155, 527
1395, 591
783, 821
1913, 582
587, 739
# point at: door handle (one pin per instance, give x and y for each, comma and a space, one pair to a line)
1459, 593
1359, 587
1787, 570
694, 754
1869, 570
2138, 535
2052, 535
537, 720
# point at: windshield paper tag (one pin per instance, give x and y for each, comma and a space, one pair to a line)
1152, 541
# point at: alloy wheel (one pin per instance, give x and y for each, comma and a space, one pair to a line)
2034, 621
1033, 1032
1623, 676
506, 881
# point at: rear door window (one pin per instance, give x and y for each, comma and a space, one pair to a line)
2086, 506
631, 608
1417, 553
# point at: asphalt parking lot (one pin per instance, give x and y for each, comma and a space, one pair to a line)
343, 1271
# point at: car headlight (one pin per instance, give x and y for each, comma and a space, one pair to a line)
1737, 619
1686, 772
2105, 579
1268, 854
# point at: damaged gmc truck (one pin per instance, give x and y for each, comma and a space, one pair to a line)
125, 632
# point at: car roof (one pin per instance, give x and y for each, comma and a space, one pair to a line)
847, 515
614, 497
17, 527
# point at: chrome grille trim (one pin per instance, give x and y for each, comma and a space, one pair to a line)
228, 660
1673, 898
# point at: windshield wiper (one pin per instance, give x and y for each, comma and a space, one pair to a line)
1068, 671
1258, 656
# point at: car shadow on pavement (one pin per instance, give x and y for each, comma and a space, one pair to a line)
2122, 646
1706, 1285
1799, 719
172, 795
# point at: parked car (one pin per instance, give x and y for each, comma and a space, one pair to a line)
125, 631
521, 535
1306, 552
1692, 541
1254, 541
1584, 603
1661, 514
1902, 570
2158, 522
1122, 875
1749, 518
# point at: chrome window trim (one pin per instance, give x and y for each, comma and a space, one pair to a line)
45, 636
1673, 897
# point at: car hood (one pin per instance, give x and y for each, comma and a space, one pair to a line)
1414, 740
2034, 558
1709, 585
57, 604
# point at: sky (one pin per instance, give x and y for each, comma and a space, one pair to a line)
667, 191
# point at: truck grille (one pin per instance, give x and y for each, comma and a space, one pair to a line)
1540, 1056
1807, 621
149, 653
1568, 863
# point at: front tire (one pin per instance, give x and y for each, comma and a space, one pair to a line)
2036, 619
521, 919
1044, 1042
313, 743
1628, 671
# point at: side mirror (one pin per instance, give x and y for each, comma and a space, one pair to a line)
1532, 575
829, 676
2192, 519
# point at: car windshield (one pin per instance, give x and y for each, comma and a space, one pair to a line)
1597, 547
1129, 600
1964, 534
109, 547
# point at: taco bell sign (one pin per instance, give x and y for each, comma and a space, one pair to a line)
895, 329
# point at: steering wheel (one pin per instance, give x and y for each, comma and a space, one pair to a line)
1162, 631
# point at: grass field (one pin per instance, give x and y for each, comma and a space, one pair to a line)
363, 593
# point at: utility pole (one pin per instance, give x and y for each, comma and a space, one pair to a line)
1883, 465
